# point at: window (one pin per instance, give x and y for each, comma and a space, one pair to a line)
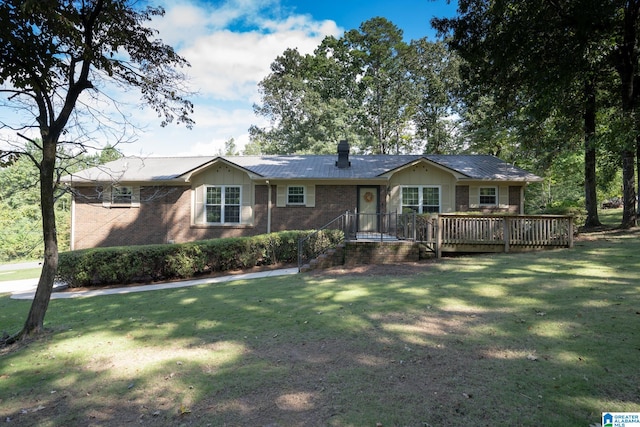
121, 195
295, 195
222, 205
488, 196
421, 199
430, 200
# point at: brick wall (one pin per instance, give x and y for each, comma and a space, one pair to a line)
164, 215
462, 201
331, 202
357, 253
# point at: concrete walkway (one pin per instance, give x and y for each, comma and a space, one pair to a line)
25, 289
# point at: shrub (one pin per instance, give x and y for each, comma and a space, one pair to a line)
578, 212
136, 264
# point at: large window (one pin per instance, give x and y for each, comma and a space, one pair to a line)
295, 195
488, 196
223, 205
421, 199
121, 195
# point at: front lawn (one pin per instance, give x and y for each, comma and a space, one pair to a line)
543, 338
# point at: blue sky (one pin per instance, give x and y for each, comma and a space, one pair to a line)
231, 44
412, 16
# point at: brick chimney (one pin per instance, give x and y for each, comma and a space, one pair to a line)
343, 155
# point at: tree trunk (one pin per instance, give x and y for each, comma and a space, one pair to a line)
638, 174
590, 196
627, 69
35, 320
629, 217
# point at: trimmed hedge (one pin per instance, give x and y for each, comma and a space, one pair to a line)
139, 264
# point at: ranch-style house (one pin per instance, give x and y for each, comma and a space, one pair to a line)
136, 200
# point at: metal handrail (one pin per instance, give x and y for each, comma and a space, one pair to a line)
342, 220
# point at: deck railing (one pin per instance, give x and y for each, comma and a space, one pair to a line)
508, 231
446, 232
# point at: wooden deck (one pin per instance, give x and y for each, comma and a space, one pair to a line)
444, 233
447, 233
499, 233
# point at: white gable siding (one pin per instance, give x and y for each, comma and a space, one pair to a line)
223, 174
421, 175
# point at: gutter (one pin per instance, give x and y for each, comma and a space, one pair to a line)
268, 207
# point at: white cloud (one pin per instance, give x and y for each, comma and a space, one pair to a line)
214, 126
228, 65
227, 62
230, 48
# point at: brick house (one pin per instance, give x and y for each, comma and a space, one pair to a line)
134, 201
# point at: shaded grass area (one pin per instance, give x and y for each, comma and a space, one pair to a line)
610, 217
545, 338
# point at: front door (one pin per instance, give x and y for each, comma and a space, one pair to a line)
368, 209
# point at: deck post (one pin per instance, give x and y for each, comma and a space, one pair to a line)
571, 231
438, 225
414, 227
506, 232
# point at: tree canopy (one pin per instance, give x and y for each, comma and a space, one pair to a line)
61, 62
549, 61
369, 86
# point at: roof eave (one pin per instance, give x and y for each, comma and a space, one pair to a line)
188, 174
459, 175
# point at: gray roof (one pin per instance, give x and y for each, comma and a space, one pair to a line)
150, 169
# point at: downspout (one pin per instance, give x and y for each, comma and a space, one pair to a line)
268, 207
72, 243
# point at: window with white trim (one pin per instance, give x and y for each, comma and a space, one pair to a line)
488, 196
121, 195
222, 204
295, 195
421, 199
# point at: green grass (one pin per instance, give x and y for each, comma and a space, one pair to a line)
29, 273
610, 217
544, 338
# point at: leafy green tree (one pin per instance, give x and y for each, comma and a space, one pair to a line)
543, 58
20, 230
368, 86
388, 95
230, 148
20, 215
307, 102
53, 53
435, 71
